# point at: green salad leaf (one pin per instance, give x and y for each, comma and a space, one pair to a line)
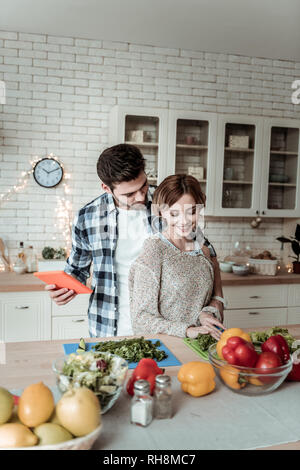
262, 336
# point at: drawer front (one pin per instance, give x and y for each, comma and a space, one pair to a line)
294, 295
293, 316
25, 316
70, 327
256, 296
252, 318
78, 306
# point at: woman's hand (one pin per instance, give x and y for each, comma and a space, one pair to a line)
219, 305
209, 322
193, 331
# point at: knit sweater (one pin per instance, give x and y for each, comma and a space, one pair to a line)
168, 288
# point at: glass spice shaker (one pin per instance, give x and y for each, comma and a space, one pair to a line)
141, 404
163, 397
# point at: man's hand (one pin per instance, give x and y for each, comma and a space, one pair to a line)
60, 296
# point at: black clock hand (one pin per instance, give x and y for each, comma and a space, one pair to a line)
54, 170
46, 170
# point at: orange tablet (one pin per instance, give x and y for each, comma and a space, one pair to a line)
63, 280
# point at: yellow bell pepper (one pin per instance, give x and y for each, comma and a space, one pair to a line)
197, 378
228, 334
231, 377
255, 381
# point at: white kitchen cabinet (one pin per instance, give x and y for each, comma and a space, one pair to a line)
78, 306
192, 149
147, 128
71, 320
70, 327
255, 317
246, 165
293, 315
262, 305
253, 297
280, 176
239, 149
25, 316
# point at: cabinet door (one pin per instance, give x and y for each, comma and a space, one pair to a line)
146, 128
280, 194
78, 306
70, 327
293, 316
192, 149
25, 316
238, 164
254, 318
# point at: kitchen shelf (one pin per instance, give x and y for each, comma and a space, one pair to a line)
192, 147
143, 144
288, 185
237, 149
284, 152
237, 182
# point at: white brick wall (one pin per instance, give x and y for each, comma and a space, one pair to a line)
59, 94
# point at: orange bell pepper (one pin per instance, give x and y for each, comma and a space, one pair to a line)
228, 334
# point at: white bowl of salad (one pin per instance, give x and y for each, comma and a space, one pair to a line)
102, 372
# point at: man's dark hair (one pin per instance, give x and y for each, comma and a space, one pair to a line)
123, 162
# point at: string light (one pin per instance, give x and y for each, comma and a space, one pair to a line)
64, 212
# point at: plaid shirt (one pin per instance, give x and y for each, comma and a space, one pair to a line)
94, 240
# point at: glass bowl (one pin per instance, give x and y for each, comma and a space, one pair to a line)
246, 380
81, 370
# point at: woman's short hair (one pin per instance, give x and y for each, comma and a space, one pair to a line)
172, 188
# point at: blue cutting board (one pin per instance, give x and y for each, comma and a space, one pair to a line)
171, 360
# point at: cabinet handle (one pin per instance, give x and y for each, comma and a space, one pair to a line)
77, 321
257, 212
254, 313
254, 297
22, 307
263, 213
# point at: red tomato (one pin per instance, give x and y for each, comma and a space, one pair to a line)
267, 364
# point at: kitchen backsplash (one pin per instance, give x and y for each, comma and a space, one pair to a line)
59, 94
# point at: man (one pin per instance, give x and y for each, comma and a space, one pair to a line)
109, 232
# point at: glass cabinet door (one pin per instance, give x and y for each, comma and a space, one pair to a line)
237, 172
143, 131
192, 149
146, 128
239, 144
283, 165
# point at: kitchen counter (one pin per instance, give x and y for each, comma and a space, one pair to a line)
12, 282
230, 279
31, 362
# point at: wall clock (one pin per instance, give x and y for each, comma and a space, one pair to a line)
48, 172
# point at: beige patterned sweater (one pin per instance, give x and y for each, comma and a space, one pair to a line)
168, 288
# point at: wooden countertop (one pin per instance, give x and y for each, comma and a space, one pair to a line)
12, 282
31, 362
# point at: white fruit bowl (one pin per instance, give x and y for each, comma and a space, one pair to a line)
78, 443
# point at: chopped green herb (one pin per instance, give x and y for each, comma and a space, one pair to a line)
205, 341
133, 350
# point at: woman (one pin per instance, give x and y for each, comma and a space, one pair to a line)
171, 281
